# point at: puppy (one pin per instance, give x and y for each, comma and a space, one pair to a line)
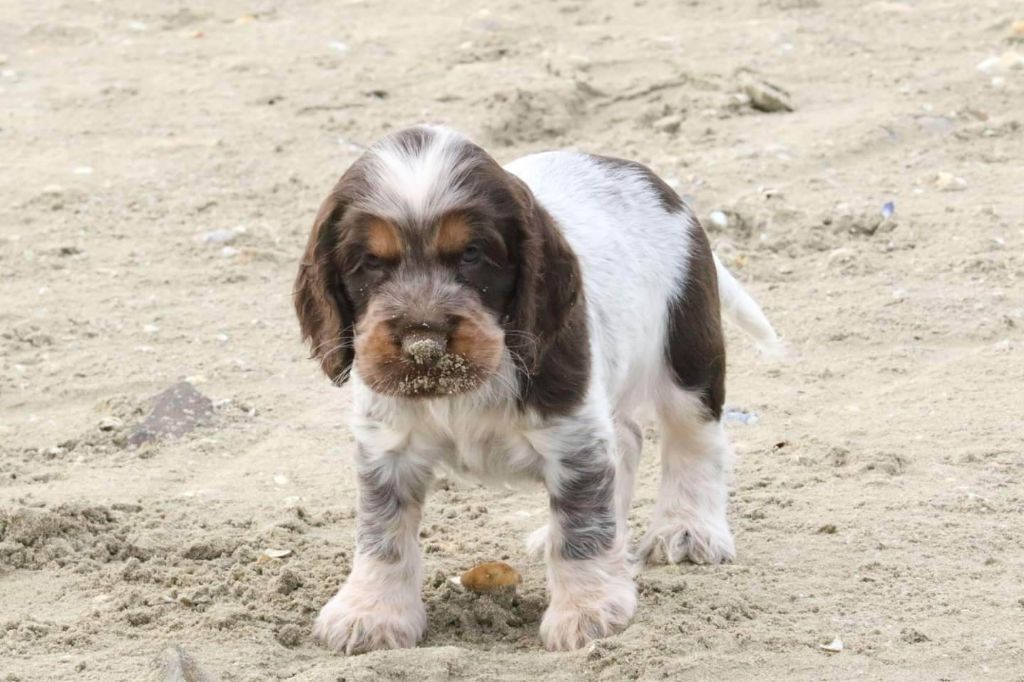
507, 323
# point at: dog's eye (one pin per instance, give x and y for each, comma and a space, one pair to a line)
372, 262
471, 255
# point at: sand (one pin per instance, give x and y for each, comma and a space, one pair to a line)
162, 165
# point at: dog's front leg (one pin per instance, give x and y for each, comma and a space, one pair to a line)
589, 580
379, 606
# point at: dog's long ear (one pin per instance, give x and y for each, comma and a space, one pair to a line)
323, 307
547, 320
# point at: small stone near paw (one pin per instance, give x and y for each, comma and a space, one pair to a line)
490, 577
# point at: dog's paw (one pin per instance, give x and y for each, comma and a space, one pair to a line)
574, 622
695, 542
357, 620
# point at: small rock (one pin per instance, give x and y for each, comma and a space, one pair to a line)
766, 97
718, 219
289, 635
1011, 60
1016, 32
668, 124
828, 529
219, 236
269, 553
739, 416
490, 577
834, 647
176, 411
110, 424
947, 182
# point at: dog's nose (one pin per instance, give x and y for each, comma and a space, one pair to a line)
424, 348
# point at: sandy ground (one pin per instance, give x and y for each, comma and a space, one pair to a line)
161, 168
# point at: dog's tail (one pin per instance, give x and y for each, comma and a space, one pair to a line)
745, 312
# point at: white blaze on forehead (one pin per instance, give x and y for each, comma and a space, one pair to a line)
415, 183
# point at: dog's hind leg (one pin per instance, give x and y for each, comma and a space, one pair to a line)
689, 521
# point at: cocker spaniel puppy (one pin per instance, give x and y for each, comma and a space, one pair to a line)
507, 323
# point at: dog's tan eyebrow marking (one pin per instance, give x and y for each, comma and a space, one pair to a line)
383, 240
453, 234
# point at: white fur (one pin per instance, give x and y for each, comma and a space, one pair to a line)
414, 185
634, 257
738, 305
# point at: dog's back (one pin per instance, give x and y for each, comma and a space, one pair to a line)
645, 259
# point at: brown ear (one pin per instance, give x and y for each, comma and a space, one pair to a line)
325, 314
548, 319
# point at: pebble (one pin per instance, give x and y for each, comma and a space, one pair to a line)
271, 553
150, 328
176, 411
229, 252
767, 97
718, 219
489, 577
110, 424
280, 479
834, 647
668, 124
223, 236
947, 182
739, 416
1011, 60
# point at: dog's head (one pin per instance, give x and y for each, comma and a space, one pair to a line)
428, 266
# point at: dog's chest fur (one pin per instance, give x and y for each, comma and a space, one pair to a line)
488, 442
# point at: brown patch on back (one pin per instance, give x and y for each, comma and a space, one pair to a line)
695, 347
453, 235
668, 197
383, 240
